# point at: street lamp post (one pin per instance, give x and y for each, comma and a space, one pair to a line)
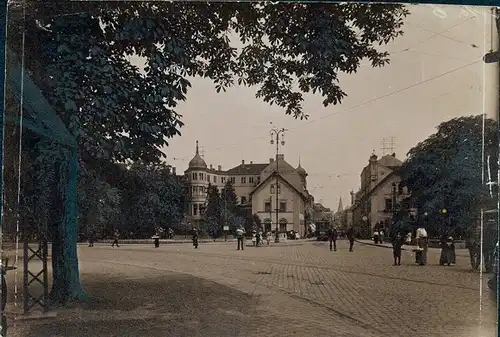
275, 137
394, 201
365, 219
444, 212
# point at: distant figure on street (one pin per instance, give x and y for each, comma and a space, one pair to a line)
408, 238
381, 235
332, 237
397, 247
422, 243
254, 237
269, 236
490, 236
350, 237
91, 239
116, 236
473, 244
239, 237
258, 238
195, 238
376, 236
447, 251
156, 239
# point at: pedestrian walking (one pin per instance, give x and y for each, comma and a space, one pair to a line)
195, 238
489, 244
116, 236
254, 237
381, 235
397, 247
156, 239
447, 256
350, 237
239, 237
332, 237
269, 237
422, 243
258, 238
91, 239
473, 244
376, 236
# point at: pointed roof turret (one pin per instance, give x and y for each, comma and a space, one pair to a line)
300, 169
341, 207
197, 161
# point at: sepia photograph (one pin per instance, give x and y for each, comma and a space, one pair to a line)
245, 169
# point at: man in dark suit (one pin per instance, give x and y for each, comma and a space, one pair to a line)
332, 237
350, 237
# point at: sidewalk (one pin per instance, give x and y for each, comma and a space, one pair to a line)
248, 242
459, 252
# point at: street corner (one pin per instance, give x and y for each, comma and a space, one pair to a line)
166, 304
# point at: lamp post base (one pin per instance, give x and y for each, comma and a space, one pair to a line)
277, 238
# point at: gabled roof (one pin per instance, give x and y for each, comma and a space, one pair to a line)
247, 169
390, 161
273, 176
376, 187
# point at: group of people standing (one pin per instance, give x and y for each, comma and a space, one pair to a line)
379, 233
333, 235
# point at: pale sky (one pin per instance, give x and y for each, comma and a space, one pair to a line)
335, 143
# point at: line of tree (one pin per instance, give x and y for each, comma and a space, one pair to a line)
444, 175
222, 209
134, 199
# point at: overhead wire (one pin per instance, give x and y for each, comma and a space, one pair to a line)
348, 108
436, 34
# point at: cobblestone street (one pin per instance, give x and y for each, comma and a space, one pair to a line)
306, 290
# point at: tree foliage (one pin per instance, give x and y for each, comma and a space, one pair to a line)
213, 215
79, 54
229, 197
445, 172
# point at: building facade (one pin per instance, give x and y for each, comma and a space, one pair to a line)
379, 194
256, 186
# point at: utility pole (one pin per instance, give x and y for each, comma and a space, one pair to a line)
275, 137
491, 65
491, 100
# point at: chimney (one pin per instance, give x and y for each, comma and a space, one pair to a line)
251, 162
271, 160
211, 166
394, 154
219, 168
352, 197
173, 171
243, 162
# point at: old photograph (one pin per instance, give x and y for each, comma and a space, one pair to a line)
249, 169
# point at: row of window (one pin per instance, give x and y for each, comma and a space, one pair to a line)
213, 179
267, 206
207, 177
197, 208
201, 191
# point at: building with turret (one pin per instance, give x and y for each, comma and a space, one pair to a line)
275, 191
380, 192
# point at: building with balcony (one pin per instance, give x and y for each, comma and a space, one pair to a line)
256, 186
378, 195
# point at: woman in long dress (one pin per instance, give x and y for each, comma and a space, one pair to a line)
447, 252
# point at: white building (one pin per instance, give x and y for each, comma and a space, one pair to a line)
255, 187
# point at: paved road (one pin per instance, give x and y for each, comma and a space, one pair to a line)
301, 290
